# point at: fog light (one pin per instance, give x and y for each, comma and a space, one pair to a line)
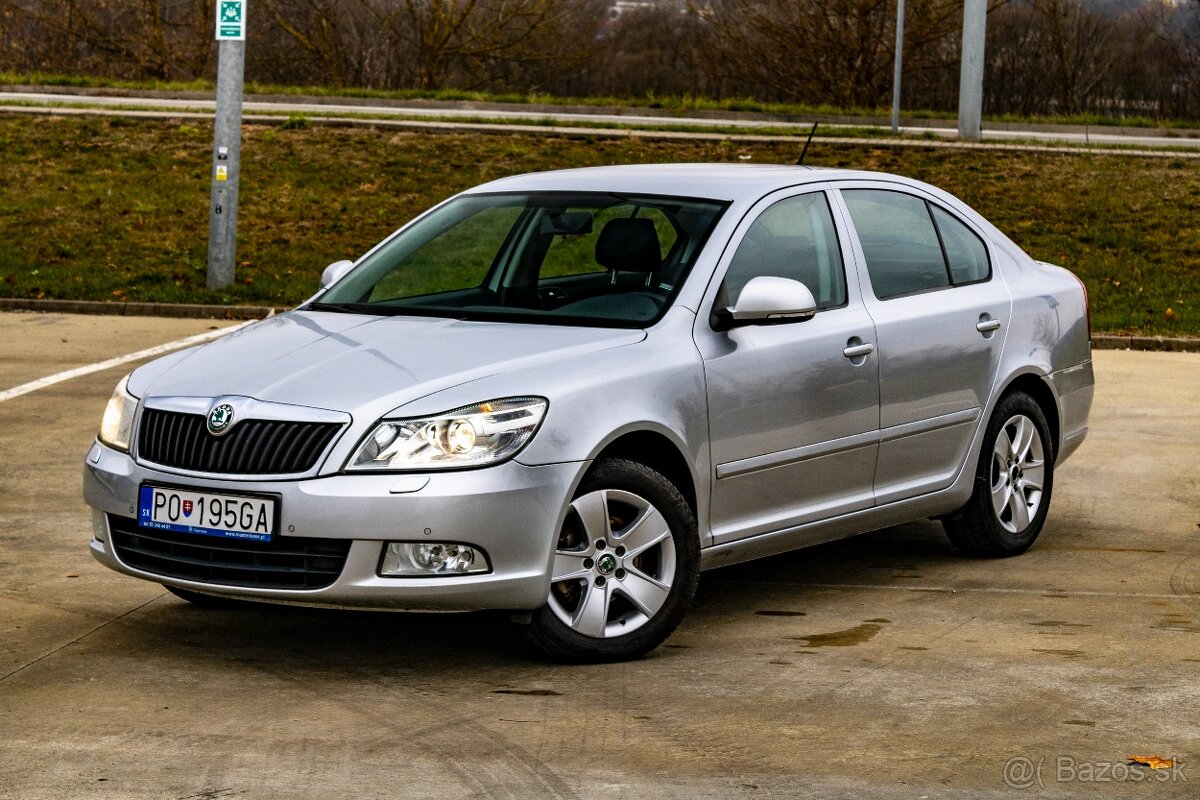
422, 559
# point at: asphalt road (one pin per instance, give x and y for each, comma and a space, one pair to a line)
882, 666
466, 112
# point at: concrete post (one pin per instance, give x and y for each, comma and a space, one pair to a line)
970, 86
226, 163
899, 66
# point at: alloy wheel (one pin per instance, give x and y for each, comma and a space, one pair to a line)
1018, 473
614, 564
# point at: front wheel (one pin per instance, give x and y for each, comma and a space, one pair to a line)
1013, 483
626, 567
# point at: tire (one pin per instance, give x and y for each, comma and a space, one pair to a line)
206, 600
625, 570
1013, 483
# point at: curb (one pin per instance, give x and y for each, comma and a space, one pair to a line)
175, 310
1159, 343
1100, 341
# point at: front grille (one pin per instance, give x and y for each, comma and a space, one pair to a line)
285, 562
252, 447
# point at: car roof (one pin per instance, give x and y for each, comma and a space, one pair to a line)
730, 182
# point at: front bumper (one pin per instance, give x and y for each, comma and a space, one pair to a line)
511, 511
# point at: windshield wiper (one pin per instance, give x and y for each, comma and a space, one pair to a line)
342, 308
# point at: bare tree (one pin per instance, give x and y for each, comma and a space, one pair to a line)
1043, 56
659, 49
1079, 45
162, 39
469, 43
837, 52
331, 40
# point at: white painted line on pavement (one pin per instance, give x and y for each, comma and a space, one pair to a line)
99, 366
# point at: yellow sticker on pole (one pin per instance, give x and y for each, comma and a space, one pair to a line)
222, 173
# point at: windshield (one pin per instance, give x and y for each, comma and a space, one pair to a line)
561, 258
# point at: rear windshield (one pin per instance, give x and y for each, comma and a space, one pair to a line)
560, 258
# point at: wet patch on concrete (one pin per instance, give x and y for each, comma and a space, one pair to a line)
1087, 723
847, 638
774, 613
529, 692
1058, 623
1057, 652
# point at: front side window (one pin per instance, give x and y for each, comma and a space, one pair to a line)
794, 238
581, 258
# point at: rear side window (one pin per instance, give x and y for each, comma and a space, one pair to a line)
898, 240
912, 245
965, 253
793, 238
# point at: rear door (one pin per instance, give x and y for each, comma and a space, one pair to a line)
940, 317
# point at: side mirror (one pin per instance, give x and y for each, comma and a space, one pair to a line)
768, 300
334, 272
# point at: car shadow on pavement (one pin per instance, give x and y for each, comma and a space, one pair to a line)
365, 643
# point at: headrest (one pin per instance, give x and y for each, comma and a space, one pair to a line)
629, 245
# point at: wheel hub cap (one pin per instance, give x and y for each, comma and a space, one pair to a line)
1018, 474
614, 565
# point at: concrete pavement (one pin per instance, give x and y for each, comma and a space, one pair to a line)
882, 666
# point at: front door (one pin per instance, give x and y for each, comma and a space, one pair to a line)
793, 420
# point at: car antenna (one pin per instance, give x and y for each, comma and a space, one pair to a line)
804, 152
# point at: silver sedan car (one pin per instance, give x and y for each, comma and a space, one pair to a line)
566, 394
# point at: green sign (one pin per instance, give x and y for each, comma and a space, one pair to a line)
231, 19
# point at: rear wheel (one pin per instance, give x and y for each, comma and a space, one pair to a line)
1013, 482
626, 567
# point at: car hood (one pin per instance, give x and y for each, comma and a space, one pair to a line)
355, 363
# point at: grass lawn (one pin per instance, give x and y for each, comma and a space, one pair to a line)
114, 209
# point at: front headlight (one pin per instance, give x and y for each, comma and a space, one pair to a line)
117, 423
472, 436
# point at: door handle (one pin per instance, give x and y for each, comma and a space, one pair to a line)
859, 350
988, 325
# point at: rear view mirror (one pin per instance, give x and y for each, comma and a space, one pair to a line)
566, 223
334, 272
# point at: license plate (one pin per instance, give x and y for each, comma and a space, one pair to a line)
206, 513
